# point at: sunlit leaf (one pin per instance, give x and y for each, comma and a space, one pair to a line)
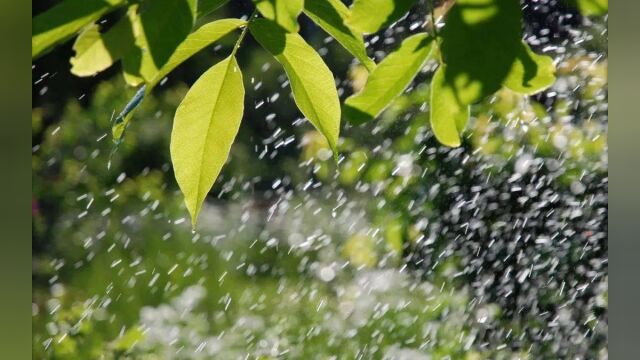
369, 16
312, 82
204, 128
530, 73
331, 15
448, 117
283, 12
390, 78
64, 20
480, 42
593, 7
95, 51
196, 41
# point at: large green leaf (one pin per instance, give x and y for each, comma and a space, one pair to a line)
390, 78
95, 51
312, 82
64, 20
448, 117
369, 16
160, 27
530, 72
480, 42
284, 12
207, 6
196, 41
205, 126
331, 16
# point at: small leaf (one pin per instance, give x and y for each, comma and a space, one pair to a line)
205, 7
95, 52
480, 42
369, 16
447, 116
530, 72
593, 7
204, 128
331, 15
283, 12
196, 41
64, 20
312, 82
390, 78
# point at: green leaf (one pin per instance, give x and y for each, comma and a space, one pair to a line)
204, 128
95, 52
64, 20
447, 116
196, 41
160, 27
205, 7
530, 72
480, 42
312, 82
390, 78
593, 7
331, 16
369, 16
132, 60
283, 12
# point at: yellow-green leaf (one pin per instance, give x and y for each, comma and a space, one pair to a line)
64, 20
389, 79
95, 51
283, 12
447, 116
593, 7
204, 128
331, 16
530, 72
312, 82
196, 41
369, 16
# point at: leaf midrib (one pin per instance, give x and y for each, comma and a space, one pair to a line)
206, 140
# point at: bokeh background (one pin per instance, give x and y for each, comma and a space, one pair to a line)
406, 249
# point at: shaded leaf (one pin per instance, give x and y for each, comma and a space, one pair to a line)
204, 128
64, 20
160, 27
369, 16
530, 72
283, 12
95, 51
331, 16
390, 78
312, 82
480, 42
205, 7
448, 117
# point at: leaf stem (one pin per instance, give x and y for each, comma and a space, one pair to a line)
244, 32
434, 25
